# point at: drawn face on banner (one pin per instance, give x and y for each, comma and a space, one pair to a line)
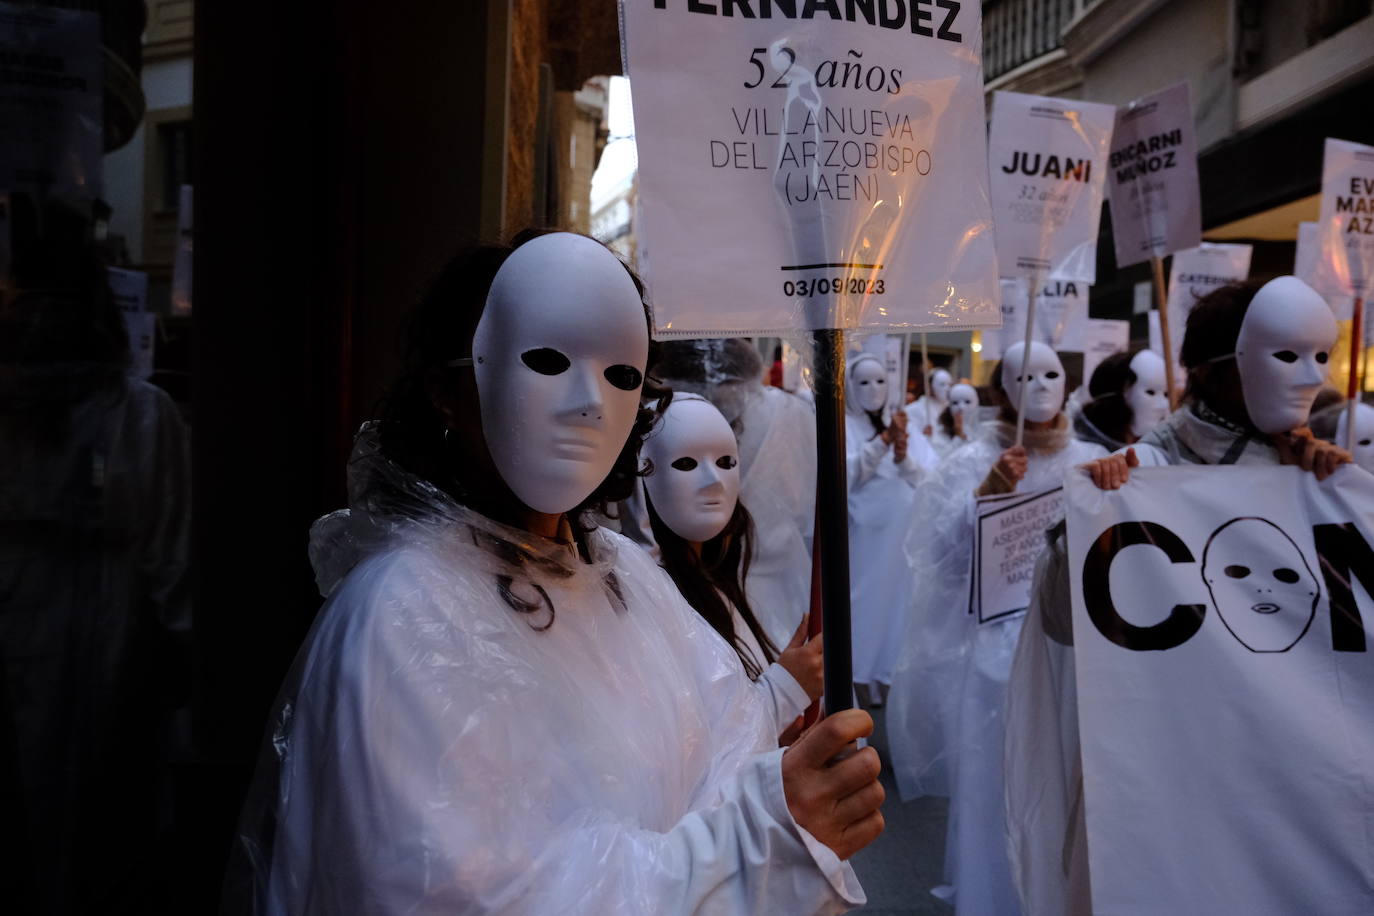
1044, 380
1148, 395
940, 382
868, 383
694, 484
963, 400
1364, 435
559, 356
1260, 583
1282, 351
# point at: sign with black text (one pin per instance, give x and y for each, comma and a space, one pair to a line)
808, 165
1194, 273
1226, 689
1156, 208
1048, 158
1347, 215
1009, 537
1061, 316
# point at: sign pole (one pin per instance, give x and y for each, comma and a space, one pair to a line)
1353, 386
1035, 284
925, 381
832, 520
1166, 340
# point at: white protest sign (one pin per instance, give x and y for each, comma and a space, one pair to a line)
1194, 273
1225, 689
801, 167
1347, 214
1048, 161
142, 330
129, 289
51, 98
184, 259
1311, 267
1061, 316
791, 366
1101, 338
1007, 540
1153, 186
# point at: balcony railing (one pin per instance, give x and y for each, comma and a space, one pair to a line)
1018, 31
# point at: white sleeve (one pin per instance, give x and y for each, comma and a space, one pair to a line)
869, 456
785, 695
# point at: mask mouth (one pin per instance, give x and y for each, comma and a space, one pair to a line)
1265, 607
577, 448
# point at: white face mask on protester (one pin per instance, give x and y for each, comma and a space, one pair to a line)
1148, 395
559, 356
694, 483
963, 400
1364, 434
1044, 378
868, 383
1282, 352
940, 381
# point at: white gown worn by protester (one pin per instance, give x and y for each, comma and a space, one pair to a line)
1044, 775
780, 690
882, 495
945, 711
480, 722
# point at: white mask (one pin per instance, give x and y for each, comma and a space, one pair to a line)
694, 483
1285, 340
939, 386
1148, 395
867, 383
1045, 380
559, 356
1364, 434
1260, 584
963, 399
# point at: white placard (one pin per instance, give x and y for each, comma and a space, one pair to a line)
1009, 537
1317, 272
1225, 689
801, 167
791, 366
142, 330
1102, 338
51, 98
129, 289
1048, 162
1347, 215
1194, 273
1061, 316
182, 265
1153, 186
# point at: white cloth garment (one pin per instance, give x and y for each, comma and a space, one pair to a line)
882, 495
945, 711
1046, 830
780, 690
481, 722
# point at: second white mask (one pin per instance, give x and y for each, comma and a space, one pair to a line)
1044, 378
694, 481
1148, 395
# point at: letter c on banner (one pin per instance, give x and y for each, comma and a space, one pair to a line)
1184, 619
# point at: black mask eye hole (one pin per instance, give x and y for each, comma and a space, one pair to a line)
685, 464
1365, 442
1237, 572
1052, 374
626, 378
1323, 357
1284, 574
1287, 356
726, 462
546, 361
1150, 392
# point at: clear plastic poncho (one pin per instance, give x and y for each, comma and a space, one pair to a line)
482, 722
945, 711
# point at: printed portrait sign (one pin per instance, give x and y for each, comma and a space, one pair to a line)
811, 165
1152, 182
1061, 316
1008, 539
1347, 215
1194, 273
1226, 689
1048, 159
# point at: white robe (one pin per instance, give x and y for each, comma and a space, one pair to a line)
780, 691
945, 711
882, 495
437, 751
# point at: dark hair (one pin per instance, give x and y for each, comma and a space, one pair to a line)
714, 580
1108, 410
1212, 331
412, 431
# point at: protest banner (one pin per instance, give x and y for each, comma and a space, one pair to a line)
1007, 540
1061, 316
51, 101
1318, 272
1156, 208
1225, 691
813, 170
1347, 242
1048, 160
1101, 338
1194, 273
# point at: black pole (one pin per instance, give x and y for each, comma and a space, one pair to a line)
832, 519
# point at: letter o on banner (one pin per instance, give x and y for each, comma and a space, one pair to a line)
1184, 619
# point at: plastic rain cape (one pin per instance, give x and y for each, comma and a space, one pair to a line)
482, 722
945, 711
